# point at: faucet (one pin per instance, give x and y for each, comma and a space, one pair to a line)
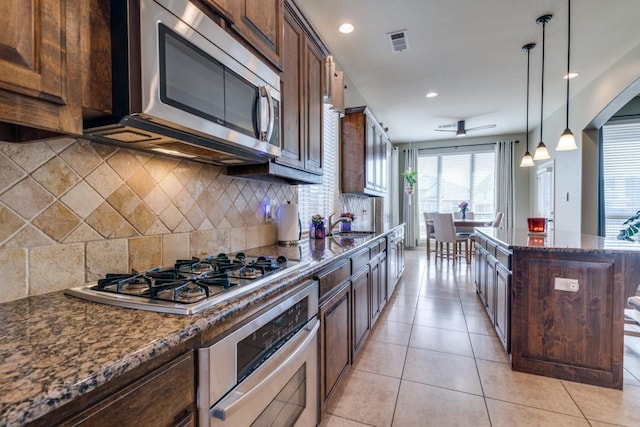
332, 225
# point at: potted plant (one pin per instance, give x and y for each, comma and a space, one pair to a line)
411, 179
346, 218
317, 228
631, 228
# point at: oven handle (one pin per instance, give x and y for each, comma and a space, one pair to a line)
238, 398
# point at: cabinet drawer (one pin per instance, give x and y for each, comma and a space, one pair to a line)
166, 396
330, 278
374, 250
504, 257
359, 260
491, 248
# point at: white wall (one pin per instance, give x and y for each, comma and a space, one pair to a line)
577, 171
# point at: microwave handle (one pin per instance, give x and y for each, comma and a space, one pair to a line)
266, 130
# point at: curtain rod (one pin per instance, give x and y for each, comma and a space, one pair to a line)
455, 147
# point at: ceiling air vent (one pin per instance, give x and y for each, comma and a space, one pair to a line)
399, 40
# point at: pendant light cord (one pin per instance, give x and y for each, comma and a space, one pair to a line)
544, 24
568, 56
529, 47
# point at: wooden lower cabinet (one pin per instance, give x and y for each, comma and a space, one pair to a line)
571, 335
163, 397
361, 317
490, 288
335, 319
503, 305
493, 285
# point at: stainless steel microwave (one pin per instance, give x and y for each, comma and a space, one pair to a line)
184, 87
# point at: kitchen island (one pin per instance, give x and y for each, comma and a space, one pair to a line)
60, 354
558, 299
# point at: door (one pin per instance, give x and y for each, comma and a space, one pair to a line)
546, 190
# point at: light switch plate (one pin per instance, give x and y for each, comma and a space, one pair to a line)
564, 284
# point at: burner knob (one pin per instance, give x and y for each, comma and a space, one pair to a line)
281, 259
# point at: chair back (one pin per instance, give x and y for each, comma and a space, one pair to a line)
458, 215
469, 215
428, 222
443, 227
498, 220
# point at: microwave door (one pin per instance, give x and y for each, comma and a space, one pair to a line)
241, 97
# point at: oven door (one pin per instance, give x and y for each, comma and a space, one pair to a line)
282, 392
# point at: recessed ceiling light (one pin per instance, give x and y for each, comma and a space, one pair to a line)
345, 28
431, 94
571, 75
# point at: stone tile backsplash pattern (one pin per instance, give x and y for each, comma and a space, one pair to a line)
70, 211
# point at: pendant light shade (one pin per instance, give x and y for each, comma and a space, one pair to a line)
527, 160
541, 150
567, 140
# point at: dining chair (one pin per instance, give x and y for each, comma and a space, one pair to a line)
428, 223
498, 220
445, 233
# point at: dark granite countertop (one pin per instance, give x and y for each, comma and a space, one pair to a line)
55, 348
521, 239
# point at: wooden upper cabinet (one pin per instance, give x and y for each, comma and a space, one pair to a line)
292, 99
259, 22
40, 93
364, 153
302, 67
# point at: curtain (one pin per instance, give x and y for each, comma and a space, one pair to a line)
505, 176
410, 202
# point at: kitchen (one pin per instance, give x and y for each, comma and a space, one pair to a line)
94, 209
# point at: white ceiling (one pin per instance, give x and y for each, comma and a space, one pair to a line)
470, 52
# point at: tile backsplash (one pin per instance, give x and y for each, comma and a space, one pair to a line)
71, 210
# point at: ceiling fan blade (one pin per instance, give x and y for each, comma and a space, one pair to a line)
481, 127
446, 130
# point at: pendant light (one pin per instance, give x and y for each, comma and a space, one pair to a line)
567, 140
527, 160
541, 150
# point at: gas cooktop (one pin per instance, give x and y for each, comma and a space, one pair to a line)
189, 286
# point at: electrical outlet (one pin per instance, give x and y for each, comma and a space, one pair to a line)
564, 284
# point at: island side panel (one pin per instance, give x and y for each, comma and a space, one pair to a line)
576, 336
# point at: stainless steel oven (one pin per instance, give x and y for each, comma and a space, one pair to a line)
265, 372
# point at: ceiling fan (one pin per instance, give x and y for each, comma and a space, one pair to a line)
460, 129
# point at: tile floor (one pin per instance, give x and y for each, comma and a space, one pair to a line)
433, 359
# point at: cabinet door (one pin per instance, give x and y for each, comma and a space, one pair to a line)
292, 80
503, 305
374, 282
481, 273
40, 69
335, 325
360, 312
370, 155
384, 282
491, 287
257, 21
313, 96
165, 397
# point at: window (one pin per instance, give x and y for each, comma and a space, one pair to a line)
446, 179
313, 199
621, 175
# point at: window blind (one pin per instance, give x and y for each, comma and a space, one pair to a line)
322, 199
621, 174
446, 179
